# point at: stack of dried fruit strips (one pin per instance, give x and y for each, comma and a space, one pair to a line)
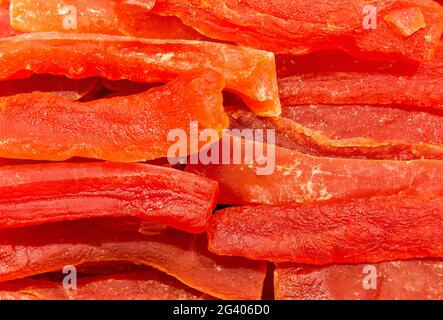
350, 205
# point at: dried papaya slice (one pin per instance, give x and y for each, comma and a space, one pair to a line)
143, 285
373, 29
351, 131
362, 83
335, 61
395, 280
103, 16
357, 88
65, 16
287, 176
349, 231
50, 247
250, 73
124, 129
57, 85
40, 193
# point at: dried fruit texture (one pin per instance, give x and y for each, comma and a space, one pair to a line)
299, 27
350, 231
362, 83
5, 24
57, 85
98, 269
144, 285
406, 21
303, 178
124, 129
248, 72
40, 193
330, 61
102, 16
146, 25
143, 4
64, 16
368, 132
396, 280
50, 247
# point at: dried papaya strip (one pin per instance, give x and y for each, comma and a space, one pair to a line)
357, 88
349, 231
287, 176
57, 85
360, 82
125, 129
372, 29
142, 285
399, 280
330, 61
40, 193
49, 247
102, 16
65, 16
368, 132
250, 73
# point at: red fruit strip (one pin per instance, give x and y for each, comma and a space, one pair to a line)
400, 280
57, 85
352, 131
103, 16
303, 178
50, 247
330, 61
143, 285
35, 194
124, 129
65, 16
249, 72
351, 231
300, 27
414, 86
